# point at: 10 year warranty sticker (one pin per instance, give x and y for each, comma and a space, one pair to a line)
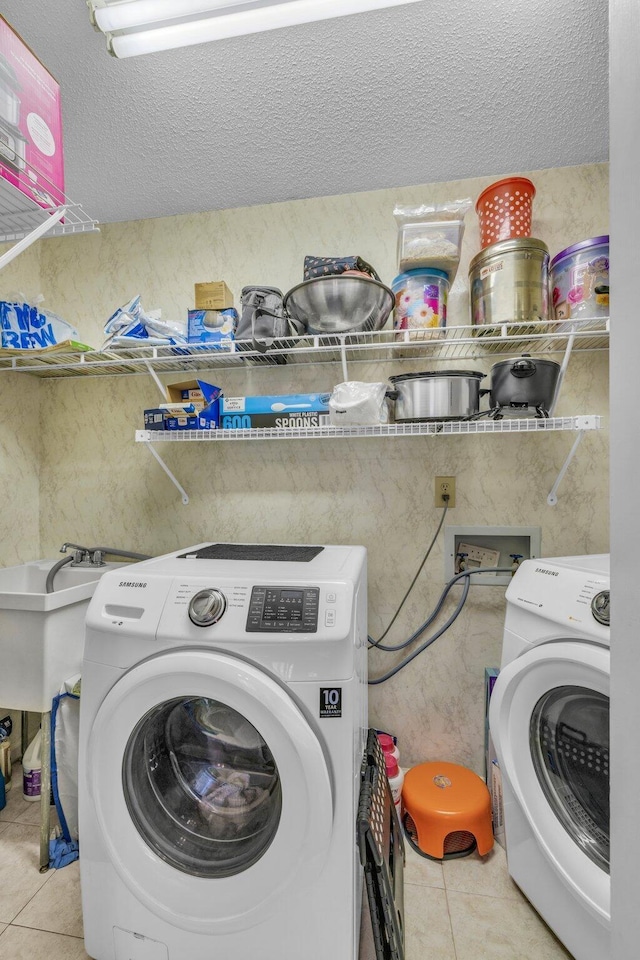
330, 702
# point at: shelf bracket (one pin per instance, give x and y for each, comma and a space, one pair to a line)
156, 378
343, 359
563, 368
140, 435
552, 499
30, 238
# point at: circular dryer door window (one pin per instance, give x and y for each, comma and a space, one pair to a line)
202, 786
569, 738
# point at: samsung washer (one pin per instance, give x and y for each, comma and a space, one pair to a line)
223, 723
549, 720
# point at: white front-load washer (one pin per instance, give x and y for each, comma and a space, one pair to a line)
222, 729
549, 721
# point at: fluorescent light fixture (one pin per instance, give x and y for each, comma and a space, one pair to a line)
133, 27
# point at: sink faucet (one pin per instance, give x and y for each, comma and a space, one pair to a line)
95, 555
83, 555
74, 546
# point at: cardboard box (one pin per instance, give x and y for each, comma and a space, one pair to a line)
289, 410
189, 422
492, 772
497, 803
154, 419
213, 296
199, 400
159, 418
31, 152
214, 327
192, 391
490, 677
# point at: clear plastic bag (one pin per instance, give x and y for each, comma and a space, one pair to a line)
354, 403
431, 236
131, 323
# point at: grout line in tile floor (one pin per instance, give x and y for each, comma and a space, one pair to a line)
446, 900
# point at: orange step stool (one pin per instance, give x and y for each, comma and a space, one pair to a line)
447, 811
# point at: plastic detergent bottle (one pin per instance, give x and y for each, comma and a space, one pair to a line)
395, 776
31, 767
388, 746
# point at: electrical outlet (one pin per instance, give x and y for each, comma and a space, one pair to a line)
445, 486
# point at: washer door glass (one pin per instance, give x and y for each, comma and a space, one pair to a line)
202, 787
569, 738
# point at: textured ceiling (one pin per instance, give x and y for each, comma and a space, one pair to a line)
437, 90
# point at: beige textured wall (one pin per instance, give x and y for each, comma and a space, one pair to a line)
20, 431
97, 484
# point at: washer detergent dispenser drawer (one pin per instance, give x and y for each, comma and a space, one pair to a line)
42, 634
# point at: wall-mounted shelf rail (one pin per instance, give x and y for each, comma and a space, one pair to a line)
451, 344
23, 220
444, 428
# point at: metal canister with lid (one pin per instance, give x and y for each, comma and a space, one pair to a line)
509, 282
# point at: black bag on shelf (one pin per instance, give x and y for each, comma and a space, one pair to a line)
263, 319
334, 266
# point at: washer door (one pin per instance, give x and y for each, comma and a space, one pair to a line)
549, 719
211, 790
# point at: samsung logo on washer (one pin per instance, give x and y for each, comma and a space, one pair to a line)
549, 573
132, 583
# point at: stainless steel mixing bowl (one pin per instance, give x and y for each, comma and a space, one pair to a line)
340, 304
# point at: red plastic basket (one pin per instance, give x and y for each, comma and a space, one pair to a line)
504, 210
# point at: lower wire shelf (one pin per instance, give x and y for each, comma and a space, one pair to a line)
443, 428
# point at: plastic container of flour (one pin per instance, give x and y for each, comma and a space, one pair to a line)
430, 237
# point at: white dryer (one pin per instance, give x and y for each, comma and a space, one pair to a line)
549, 720
222, 728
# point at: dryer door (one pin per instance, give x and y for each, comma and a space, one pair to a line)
549, 719
211, 789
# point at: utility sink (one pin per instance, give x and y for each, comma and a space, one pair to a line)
42, 634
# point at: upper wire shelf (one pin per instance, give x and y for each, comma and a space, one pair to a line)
449, 344
20, 215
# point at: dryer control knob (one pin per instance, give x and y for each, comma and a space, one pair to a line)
600, 607
207, 607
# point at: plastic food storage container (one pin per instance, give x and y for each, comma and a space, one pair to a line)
421, 302
435, 245
504, 210
579, 278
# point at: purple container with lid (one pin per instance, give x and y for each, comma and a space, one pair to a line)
579, 278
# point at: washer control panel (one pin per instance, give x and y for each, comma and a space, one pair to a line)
283, 610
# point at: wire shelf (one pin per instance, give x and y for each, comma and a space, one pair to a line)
20, 215
444, 428
450, 344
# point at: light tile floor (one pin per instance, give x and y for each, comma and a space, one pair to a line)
465, 909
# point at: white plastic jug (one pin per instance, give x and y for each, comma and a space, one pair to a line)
31, 769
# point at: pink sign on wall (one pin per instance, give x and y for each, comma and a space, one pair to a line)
31, 152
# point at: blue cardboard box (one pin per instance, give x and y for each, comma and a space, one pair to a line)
159, 419
201, 401
288, 410
216, 328
188, 422
154, 419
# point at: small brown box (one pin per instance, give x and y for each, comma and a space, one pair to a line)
213, 296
